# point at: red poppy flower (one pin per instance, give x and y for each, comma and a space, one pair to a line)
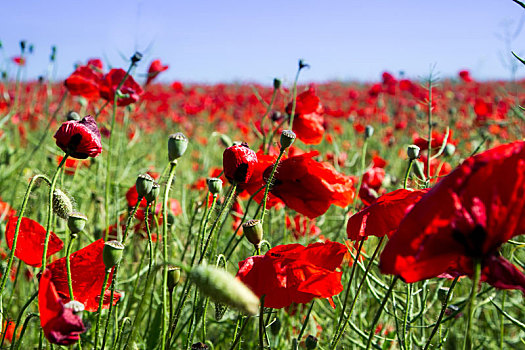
302, 226
5, 210
467, 216
465, 76
87, 274
308, 120
81, 139
293, 273
71, 165
310, 187
30, 243
85, 82
19, 61
239, 162
383, 216
95, 63
60, 323
110, 83
155, 69
9, 329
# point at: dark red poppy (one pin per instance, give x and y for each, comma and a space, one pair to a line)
465, 76
71, 165
111, 82
30, 242
239, 162
155, 69
308, 120
85, 82
310, 187
383, 216
95, 63
467, 216
81, 139
19, 61
293, 273
87, 274
60, 323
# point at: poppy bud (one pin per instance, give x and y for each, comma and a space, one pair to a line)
311, 342
153, 194
449, 150
303, 64
253, 230
72, 115
214, 185
177, 144
173, 277
413, 152
62, 205
52, 57
23, 45
137, 56
239, 162
76, 222
275, 326
277, 84
144, 184
222, 287
112, 253
199, 346
369, 131
226, 140
287, 138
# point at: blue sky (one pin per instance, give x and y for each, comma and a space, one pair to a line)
223, 40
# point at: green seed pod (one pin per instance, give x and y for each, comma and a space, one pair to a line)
413, 152
369, 131
214, 185
62, 204
277, 84
153, 194
72, 115
76, 222
253, 231
112, 253
144, 184
311, 342
222, 287
177, 144
173, 277
287, 138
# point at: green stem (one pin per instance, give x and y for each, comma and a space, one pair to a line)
407, 174
501, 321
268, 109
406, 330
150, 242
68, 265
173, 165
269, 183
261, 324
379, 312
429, 105
50, 209
113, 284
305, 323
237, 338
100, 303
294, 96
468, 345
19, 319
128, 221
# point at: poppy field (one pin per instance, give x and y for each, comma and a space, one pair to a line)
144, 215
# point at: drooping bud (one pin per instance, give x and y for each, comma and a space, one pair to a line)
76, 222
62, 205
144, 184
214, 185
277, 84
413, 152
253, 231
112, 253
449, 150
173, 277
369, 131
72, 115
177, 144
154, 193
222, 287
287, 138
239, 162
311, 342
137, 56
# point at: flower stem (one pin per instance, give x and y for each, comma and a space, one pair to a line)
269, 183
50, 210
407, 174
468, 345
68, 266
100, 303
380, 311
305, 323
261, 324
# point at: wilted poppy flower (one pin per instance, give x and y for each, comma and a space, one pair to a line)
81, 139
383, 216
310, 187
467, 216
111, 82
30, 242
293, 273
308, 120
87, 274
239, 162
60, 323
85, 82
155, 69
